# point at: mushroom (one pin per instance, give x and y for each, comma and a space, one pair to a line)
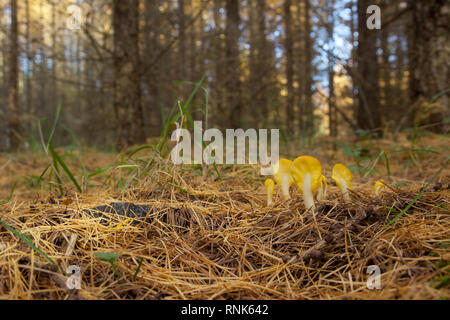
322, 193
343, 177
307, 173
269, 186
283, 177
379, 185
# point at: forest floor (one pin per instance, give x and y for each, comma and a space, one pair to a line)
214, 237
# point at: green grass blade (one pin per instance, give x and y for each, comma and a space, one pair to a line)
138, 269
101, 171
55, 122
57, 177
58, 159
31, 245
197, 87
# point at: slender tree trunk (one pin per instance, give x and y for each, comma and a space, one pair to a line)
218, 84
332, 112
79, 105
386, 71
300, 65
181, 41
127, 84
288, 45
151, 47
232, 72
431, 57
258, 62
193, 54
264, 59
353, 27
4, 136
43, 108
401, 100
13, 94
54, 87
28, 74
309, 117
368, 110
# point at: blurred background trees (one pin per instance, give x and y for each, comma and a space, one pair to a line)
308, 67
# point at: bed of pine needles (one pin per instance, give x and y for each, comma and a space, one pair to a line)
215, 238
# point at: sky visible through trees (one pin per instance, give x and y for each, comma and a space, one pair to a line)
308, 67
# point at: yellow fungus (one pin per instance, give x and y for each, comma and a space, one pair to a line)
307, 173
379, 186
343, 178
322, 193
269, 186
283, 177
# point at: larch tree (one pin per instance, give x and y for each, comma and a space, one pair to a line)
29, 61
366, 73
300, 62
332, 111
127, 70
430, 64
218, 53
308, 76
289, 49
181, 41
385, 70
258, 65
13, 90
233, 98
151, 48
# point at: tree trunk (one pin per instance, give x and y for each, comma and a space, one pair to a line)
181, 42
288, 45
259, 67
307, 80
193, 54
43, 65
300, 65
232, 72
431, 58
400, 99
54, 85
13, 94
151, 48
218, 84
332, 111
127, 90
386, 71
28, 74
368, 106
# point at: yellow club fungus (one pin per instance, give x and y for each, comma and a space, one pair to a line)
379, 186
307, 173
322, 193
283, 177
343, 178
269, 186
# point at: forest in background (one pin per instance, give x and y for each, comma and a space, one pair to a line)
308, 67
